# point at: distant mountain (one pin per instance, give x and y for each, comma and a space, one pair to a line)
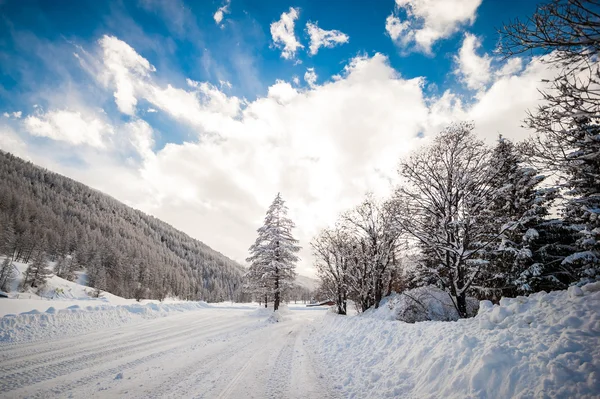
310, 284
124, 251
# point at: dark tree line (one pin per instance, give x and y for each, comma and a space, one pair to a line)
48, 217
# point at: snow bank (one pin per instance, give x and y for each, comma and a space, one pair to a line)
419, 304
544, 345
35, 325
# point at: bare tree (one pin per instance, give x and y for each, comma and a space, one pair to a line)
375, 242
567, 34
442, 206
332, 252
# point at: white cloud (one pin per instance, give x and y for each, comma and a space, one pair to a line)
220, 13
510, 67
73, 127
324, 38
141, 137
310, 77
151, 110
428, 21
282, 92
283, 35
479, 71
322, 148
124, 66
15, 115
394, 27
473, 69
224, 83
131, 76
11, 142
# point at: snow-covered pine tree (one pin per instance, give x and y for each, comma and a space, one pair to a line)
6, 274
7, 237
37, 272
60, 267
273, 254
518, 208
567, 139
582, 210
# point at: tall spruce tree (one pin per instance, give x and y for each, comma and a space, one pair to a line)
273, 254
518, 207
582, 210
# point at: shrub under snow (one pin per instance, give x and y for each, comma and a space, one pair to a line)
420, 304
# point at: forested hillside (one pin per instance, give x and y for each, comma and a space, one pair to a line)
123, 250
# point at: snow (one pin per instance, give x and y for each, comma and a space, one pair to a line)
544, 345
214, 352
36, 325
419, 304
62, 294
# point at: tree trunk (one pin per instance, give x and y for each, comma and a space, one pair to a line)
461, 304
341, 302
276, 297
378, 290
265, 301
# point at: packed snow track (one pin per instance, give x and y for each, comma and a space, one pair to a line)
213, 353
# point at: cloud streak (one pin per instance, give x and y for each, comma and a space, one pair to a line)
324, 38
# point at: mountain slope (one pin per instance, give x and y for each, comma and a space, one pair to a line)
124, 251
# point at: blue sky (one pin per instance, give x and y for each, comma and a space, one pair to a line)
200, 118
183, 40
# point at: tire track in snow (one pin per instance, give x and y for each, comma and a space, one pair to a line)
280, 374
53, 369
82, 355
182, 383
66, 350
17, 350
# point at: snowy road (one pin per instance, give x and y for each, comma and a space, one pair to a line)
213, 353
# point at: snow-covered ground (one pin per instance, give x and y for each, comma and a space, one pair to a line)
58, 293
70, 345
541, 346
210, 353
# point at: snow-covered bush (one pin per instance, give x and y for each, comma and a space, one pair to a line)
420, 304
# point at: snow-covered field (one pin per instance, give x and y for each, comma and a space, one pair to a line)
541, 346
73, 346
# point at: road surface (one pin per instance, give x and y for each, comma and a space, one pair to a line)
213, 353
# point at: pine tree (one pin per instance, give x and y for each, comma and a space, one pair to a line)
6, 274
518, 207
273, 254
37, 272
582, 210
567, 139
7, 237
60, 267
